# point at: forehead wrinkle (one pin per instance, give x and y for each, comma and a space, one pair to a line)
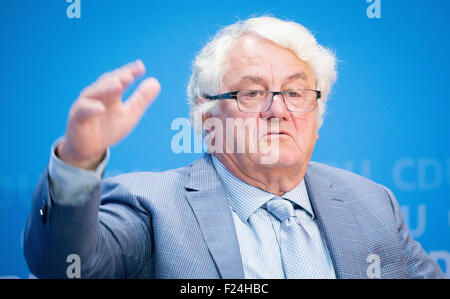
243, 57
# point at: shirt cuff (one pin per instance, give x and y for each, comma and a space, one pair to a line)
70, 185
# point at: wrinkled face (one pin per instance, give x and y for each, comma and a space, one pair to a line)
256, 63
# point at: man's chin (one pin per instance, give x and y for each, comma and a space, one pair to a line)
281, 158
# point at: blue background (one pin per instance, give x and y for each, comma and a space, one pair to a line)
389, 107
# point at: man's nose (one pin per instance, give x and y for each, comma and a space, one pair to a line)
277, 108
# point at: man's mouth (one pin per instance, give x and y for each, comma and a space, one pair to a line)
279, 133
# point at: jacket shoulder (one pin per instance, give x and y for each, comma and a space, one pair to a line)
363, 192
339, 177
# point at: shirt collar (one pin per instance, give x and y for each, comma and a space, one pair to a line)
245, 199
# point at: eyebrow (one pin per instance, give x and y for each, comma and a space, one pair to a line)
299, 75
259, 80
252, 79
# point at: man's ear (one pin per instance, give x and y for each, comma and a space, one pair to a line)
198, 102
199, 115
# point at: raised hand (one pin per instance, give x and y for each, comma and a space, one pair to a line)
99, 118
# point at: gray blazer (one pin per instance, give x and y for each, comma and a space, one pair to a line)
178, 224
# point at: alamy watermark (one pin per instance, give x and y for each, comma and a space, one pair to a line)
230, 135
374, 9
74, 268
74, 9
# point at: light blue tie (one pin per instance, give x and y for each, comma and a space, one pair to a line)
299, 252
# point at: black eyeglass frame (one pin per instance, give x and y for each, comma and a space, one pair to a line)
233, 96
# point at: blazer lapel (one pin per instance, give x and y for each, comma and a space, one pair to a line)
207, 199
339, 225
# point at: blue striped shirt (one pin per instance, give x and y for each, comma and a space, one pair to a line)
258, 231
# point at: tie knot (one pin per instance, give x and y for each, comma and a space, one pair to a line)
280, 208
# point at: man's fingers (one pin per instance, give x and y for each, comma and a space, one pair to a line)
137, 68
113, 83
87, 108
129, 72
144, 95
107, 89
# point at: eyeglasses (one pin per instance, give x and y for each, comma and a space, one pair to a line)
255, 101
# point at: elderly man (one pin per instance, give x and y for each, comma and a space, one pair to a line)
230, 214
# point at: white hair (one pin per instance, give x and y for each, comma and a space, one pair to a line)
209, 65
